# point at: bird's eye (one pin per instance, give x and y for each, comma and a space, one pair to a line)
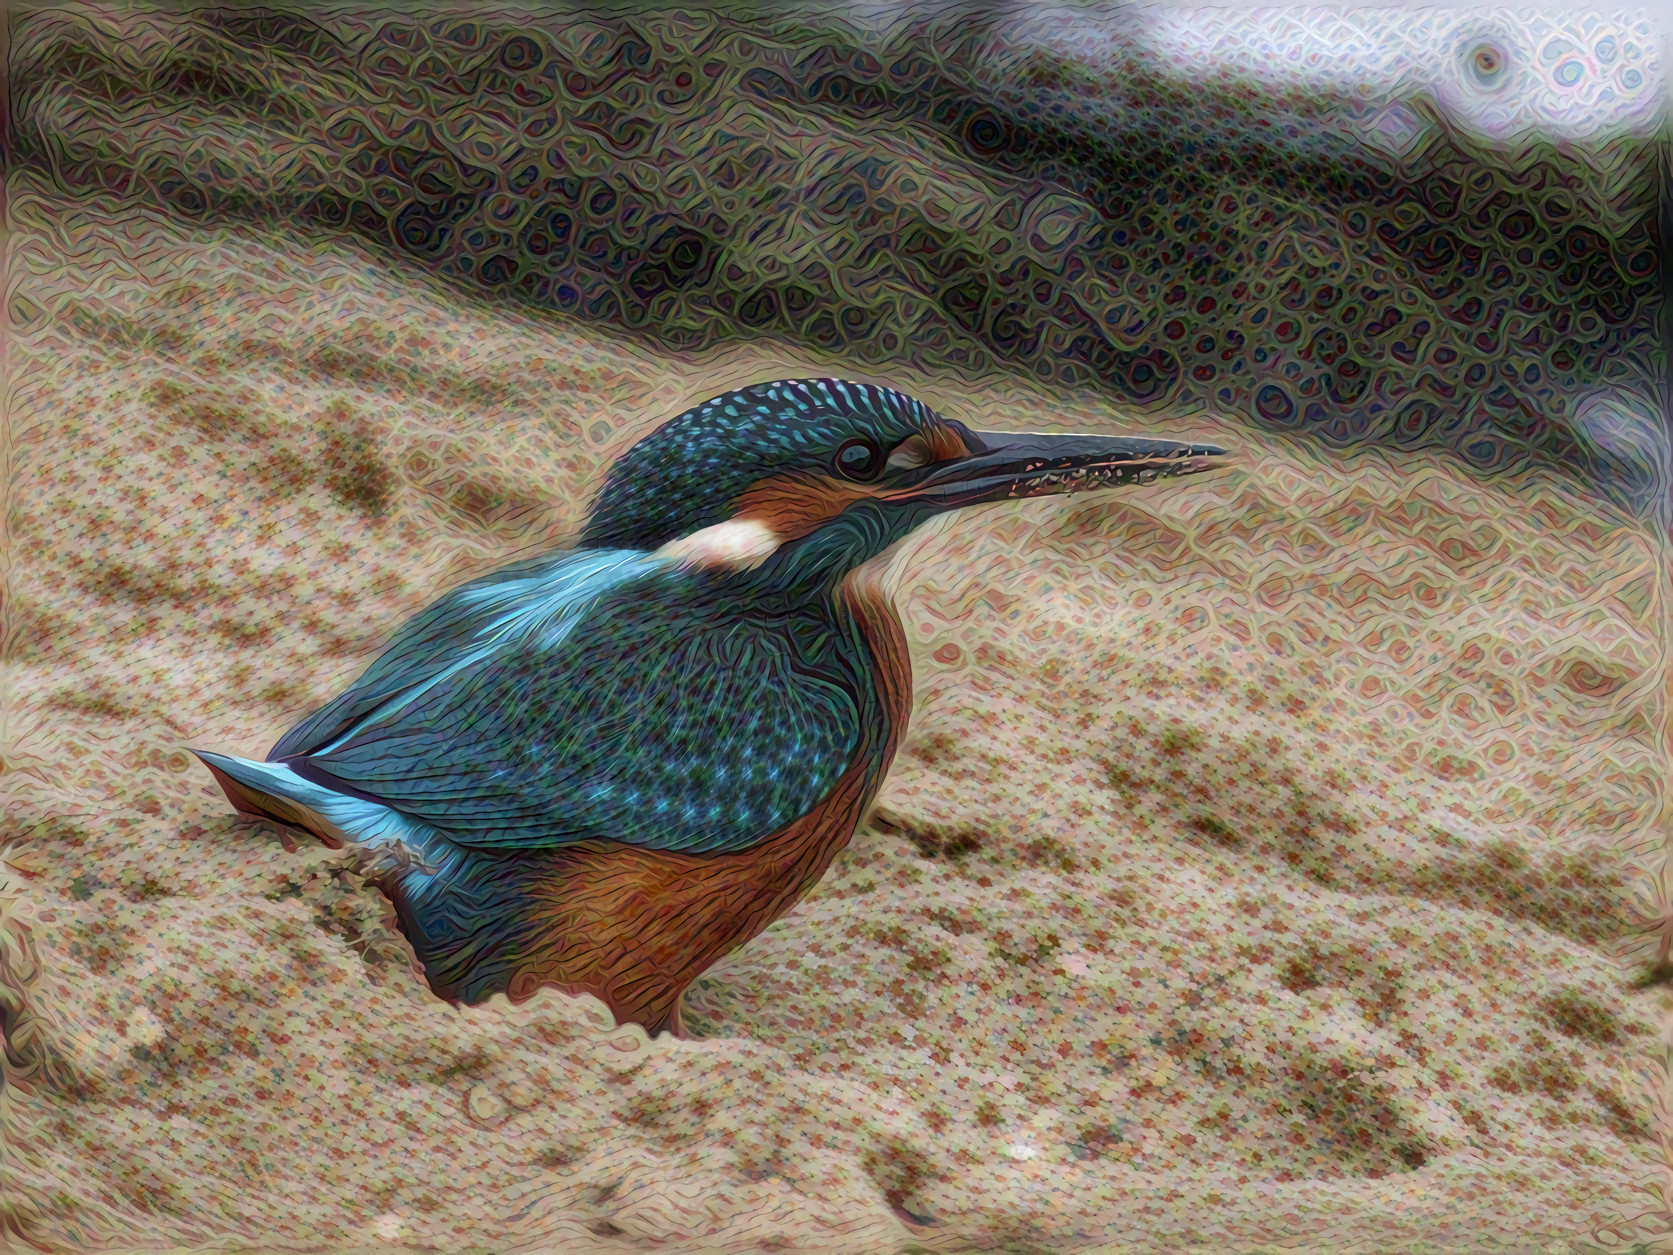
859, 459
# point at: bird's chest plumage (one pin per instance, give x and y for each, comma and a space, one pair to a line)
635, 924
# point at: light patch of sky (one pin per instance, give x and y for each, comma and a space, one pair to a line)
1567, 72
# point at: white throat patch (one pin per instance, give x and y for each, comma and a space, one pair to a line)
735, 545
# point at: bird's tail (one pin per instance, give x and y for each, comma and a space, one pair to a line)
274, 791
469, 914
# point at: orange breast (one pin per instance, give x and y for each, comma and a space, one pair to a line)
635, 927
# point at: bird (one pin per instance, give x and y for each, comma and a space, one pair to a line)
602, 769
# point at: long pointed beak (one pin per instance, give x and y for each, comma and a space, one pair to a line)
1011, 465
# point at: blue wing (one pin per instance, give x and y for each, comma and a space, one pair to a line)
598, 693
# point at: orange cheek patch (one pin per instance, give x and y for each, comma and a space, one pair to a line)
794, 505
944, 443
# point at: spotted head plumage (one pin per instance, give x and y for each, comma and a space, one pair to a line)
692, 471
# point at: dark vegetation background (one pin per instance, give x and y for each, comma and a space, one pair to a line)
935, 186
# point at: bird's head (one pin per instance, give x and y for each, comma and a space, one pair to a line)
822, 474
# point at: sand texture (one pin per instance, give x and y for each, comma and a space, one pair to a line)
1255, 872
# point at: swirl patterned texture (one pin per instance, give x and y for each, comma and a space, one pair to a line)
1256, 867
1045, 196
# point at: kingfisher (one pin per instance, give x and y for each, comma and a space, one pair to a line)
602, 769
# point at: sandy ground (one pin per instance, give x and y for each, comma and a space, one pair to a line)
1251, 875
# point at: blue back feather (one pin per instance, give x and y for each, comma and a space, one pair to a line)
601, 693
606, 692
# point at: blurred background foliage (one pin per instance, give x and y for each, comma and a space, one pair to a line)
965, 190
